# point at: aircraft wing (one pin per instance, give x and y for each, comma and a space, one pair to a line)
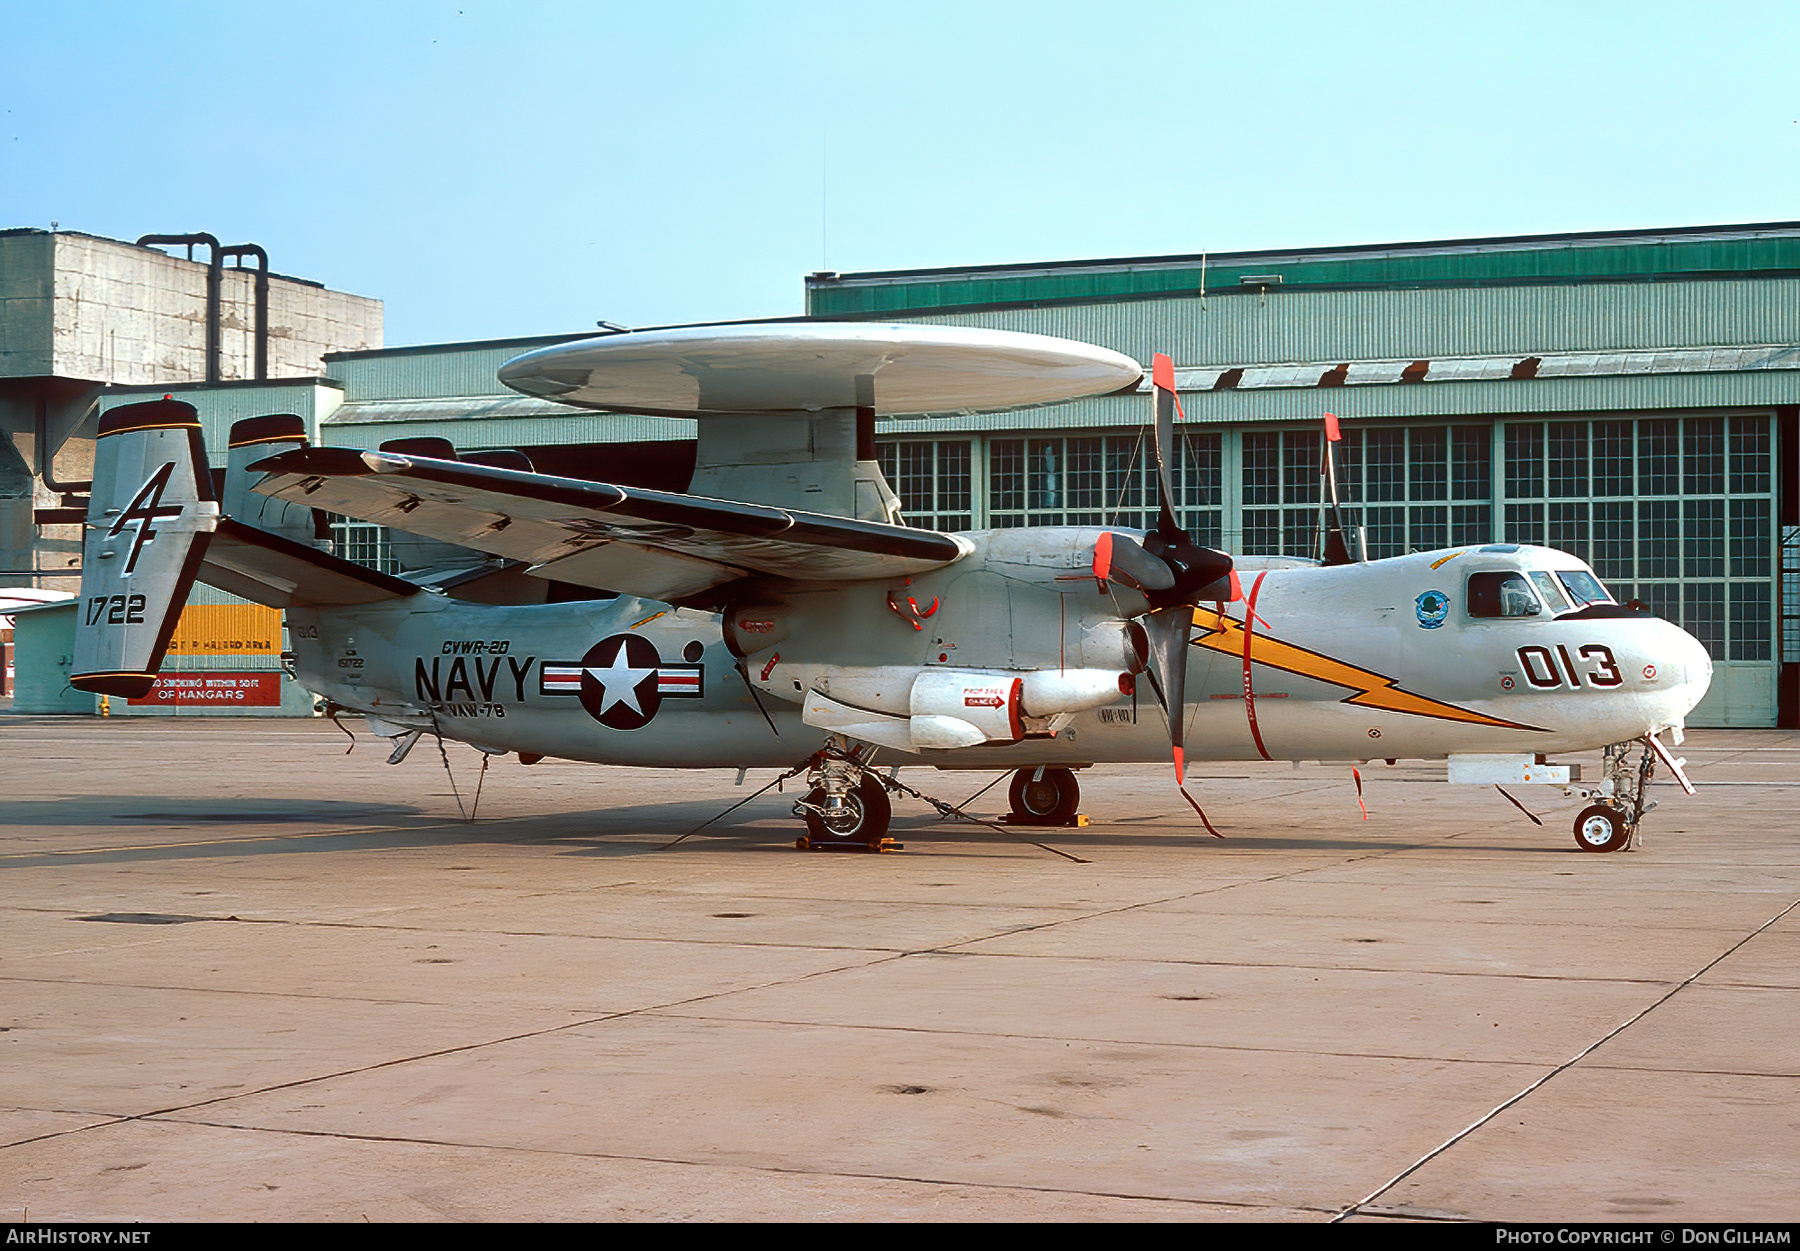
657, 544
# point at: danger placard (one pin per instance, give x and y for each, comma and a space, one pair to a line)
242, 690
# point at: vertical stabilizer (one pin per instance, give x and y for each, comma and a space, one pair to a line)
152, 513
254, 439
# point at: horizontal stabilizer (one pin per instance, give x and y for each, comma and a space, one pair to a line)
279, 572
657, 544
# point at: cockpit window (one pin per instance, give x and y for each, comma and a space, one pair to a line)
1552, 594
1584, 588
1501, 595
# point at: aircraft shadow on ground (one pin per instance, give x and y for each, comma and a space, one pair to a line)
203, 831
110, 811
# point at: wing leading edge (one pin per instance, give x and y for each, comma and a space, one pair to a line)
657, 544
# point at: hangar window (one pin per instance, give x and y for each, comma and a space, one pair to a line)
363, 543
1696, 544
1104, 480
931, 477
1411, 488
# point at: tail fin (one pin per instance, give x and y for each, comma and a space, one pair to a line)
253, 439
152, 514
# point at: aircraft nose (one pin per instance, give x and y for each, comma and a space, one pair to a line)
1696, 665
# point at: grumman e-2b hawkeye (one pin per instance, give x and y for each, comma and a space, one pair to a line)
781, 614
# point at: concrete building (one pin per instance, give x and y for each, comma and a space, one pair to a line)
79, 313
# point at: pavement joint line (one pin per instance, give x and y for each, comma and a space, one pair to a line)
442, 1051
389, 1001
944, 1031
1652, 1068
110, 1120
885, 953
1281, 964
1146, 903
1566, 1065
305, 923
722, 1164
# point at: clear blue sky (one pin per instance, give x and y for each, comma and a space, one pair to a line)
521, 168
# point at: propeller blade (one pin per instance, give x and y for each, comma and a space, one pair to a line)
1337, 551
1193, 573
1119, 558
1162, 384
1169, 630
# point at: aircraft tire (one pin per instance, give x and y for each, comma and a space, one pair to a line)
871, 806
1051, 800
1600, 828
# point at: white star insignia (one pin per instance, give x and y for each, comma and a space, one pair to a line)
619, 682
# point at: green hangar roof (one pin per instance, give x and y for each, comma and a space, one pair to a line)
1691, 252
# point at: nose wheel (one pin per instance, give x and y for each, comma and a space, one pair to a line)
1601, 828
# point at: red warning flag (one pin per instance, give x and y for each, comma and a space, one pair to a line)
1331, 429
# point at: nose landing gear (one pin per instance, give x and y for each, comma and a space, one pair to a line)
1623, 794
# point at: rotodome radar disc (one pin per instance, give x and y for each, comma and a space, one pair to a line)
807, 366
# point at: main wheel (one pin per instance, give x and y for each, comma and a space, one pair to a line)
867, 813
1600, 828
1049, 799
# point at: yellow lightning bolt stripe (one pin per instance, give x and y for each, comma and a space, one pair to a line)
1226, 636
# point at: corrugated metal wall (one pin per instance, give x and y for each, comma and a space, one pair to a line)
411, 373
1243, 328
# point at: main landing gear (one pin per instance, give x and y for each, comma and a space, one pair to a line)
1044, 796
846, 807
1611, 823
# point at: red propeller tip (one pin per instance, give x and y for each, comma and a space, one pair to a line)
1162, 372
1103, 555
1179, 763
1331, 429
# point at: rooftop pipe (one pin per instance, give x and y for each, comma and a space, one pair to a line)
239, 251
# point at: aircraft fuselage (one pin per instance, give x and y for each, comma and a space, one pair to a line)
1400, 658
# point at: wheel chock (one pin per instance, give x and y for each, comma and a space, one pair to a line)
1075, 822
804, 843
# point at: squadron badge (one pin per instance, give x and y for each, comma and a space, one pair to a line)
1432, 608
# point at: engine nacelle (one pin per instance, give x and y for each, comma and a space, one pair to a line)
941, 709
1048, 692
989, 704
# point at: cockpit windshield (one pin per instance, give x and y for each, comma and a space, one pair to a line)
1584, 588
1552, 593
1502, 594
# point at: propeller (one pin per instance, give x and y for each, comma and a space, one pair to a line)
1337, 551
1169, 569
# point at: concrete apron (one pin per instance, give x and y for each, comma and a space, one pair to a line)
246, 976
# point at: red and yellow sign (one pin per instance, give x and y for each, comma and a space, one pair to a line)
216, 690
